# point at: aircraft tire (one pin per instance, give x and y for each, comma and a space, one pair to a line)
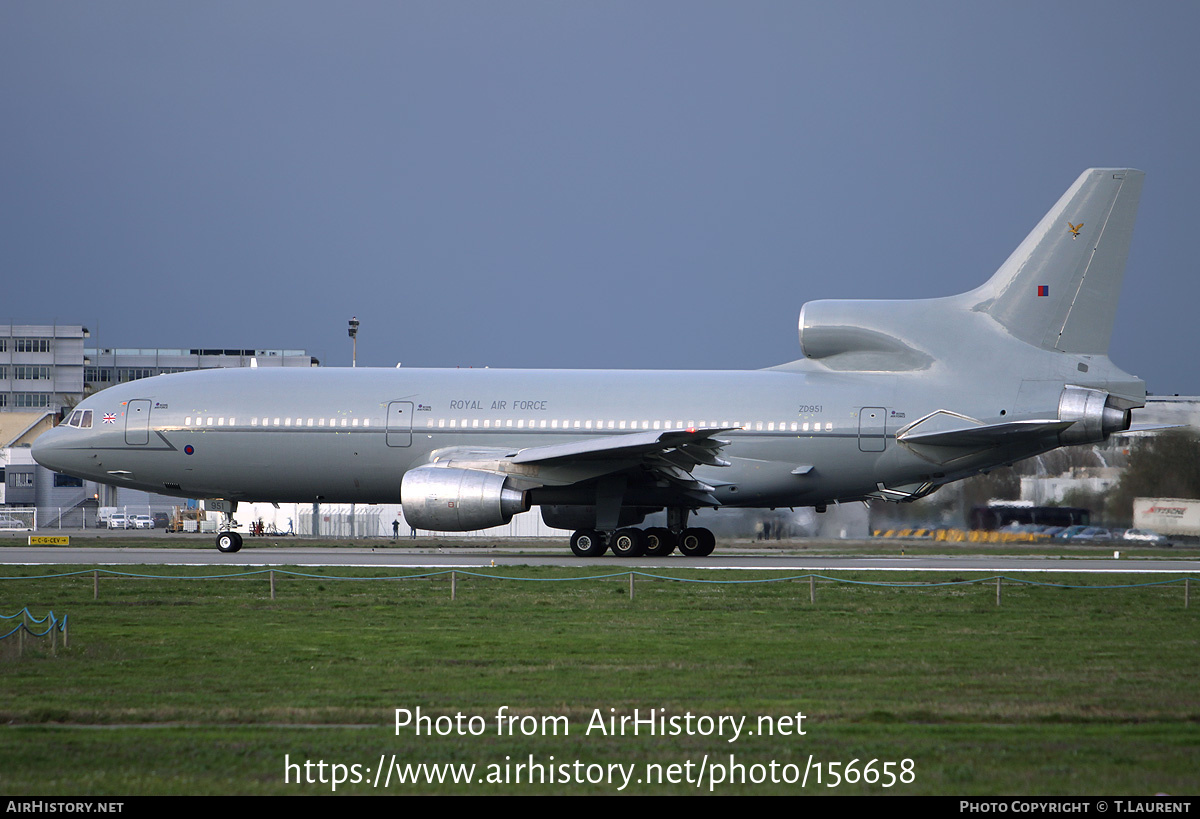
628, 543
697, 542
660, 541
229, 542
588, 543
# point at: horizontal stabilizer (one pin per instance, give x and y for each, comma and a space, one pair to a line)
950, 429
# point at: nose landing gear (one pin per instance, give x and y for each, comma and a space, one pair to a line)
228, 541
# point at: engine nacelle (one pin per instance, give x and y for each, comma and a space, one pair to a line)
445, 499
862, 335
1094, 413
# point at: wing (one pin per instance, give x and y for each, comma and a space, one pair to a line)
668, 456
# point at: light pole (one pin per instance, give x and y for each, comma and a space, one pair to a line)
353, 363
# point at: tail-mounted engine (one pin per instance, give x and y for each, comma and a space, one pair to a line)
1095, 413
445, 499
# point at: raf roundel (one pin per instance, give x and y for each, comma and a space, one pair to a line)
188, 449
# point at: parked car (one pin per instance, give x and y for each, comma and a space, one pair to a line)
118, 520
9, 522
1145, 537
143, 522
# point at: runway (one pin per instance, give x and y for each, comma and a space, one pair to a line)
493, 557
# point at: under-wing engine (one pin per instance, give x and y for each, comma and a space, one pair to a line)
459, 500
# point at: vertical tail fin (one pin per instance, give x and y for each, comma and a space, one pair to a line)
1059, 288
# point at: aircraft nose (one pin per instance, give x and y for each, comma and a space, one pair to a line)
49, 450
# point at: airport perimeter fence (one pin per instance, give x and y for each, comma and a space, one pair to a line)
453, 575
54, 627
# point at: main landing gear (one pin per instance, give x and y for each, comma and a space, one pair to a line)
656, 541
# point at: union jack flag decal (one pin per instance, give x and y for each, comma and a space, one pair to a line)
109, 418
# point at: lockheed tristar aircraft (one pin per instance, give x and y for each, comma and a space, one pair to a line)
890, 400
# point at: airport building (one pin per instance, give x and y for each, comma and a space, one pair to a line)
106, 366
49, 367
41, 366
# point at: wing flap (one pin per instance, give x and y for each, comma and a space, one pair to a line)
696, 445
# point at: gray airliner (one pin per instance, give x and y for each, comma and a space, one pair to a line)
890, 400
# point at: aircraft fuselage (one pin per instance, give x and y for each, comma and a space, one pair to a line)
349, 435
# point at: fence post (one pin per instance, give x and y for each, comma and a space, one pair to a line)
631, 585
453, 586
997, 590
53, 638
272, 584
812, 588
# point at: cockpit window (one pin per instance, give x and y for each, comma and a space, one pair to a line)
82, 419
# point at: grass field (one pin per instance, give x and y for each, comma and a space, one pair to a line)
201, 686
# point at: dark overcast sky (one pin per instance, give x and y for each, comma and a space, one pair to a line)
574, 184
